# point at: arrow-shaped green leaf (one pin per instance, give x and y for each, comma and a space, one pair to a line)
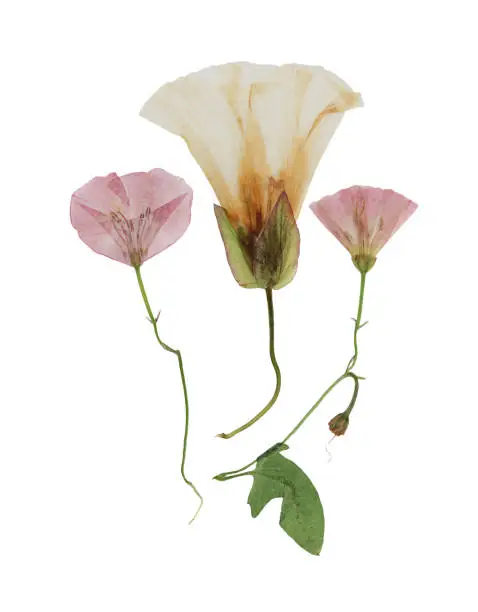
302, 515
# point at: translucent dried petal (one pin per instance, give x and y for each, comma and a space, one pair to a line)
363, 219
133, 217
255, 130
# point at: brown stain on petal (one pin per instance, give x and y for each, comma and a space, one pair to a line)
328, 110
253, 172
296, 175
258, 191
275, 189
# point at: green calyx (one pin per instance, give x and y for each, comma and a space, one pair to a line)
363, 262
266, 261
237, 255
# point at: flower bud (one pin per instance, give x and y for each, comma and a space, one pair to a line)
338, 425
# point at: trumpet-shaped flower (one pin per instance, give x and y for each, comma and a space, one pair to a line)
363, 219
258, 132
133, 217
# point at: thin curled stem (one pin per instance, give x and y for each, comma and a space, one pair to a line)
317, 403
275, 365
356, 380
166, 347
241, 472
347, 374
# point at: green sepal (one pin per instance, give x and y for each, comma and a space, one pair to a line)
302, 515
237, 258
364, 263
276, 252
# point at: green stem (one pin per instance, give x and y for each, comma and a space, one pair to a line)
275, 365
166, 347
319, 401
347, 374
240, 472
231, 475
225, 475
355, 393
358, 319
274, 448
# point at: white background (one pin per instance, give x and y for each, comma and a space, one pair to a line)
93, 513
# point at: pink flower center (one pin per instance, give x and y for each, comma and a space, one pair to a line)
132, 234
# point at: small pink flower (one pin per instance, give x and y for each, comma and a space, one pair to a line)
133, 217
363, 219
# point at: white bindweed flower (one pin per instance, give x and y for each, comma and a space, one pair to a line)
258, 132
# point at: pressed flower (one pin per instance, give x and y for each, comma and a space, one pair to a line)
130, 219
133, 217
363, 219
258, 132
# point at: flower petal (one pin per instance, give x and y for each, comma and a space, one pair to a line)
170, 222
89, 208
247, 123
152, 189
103, 193
134, 217
94, 229
363, 219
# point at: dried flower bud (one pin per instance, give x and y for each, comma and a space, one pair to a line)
338, 425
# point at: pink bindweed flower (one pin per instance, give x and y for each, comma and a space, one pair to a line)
363, 219
133, 217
